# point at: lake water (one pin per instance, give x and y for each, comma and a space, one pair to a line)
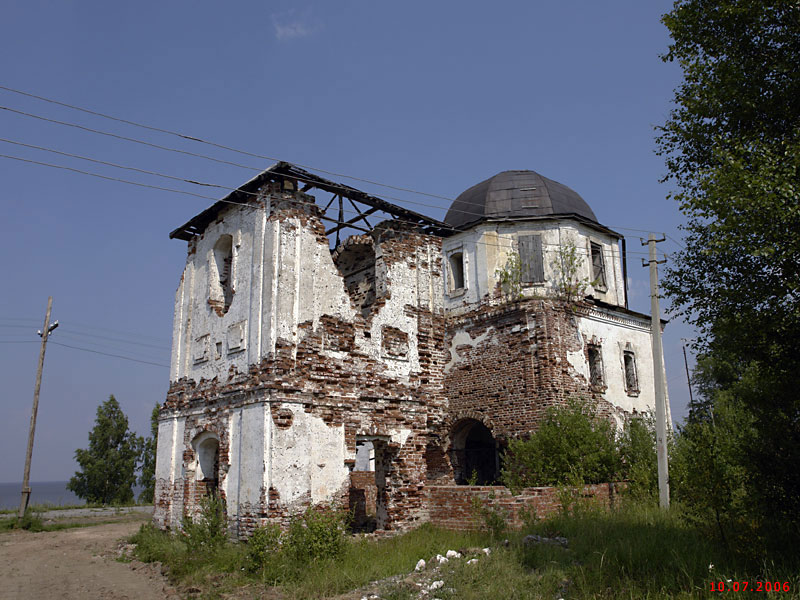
42, 492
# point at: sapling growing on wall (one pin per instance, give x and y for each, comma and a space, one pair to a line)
567, 265
510, 277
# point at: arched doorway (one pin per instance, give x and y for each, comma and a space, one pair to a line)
473, 453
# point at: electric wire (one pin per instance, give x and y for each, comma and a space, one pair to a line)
252, 154
131, 352
256, 169
217, 145
128, 139
674, 240
80, 334
146, 362
246, 205
115, 165
115, 331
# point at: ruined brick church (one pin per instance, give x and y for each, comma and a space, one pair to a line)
405, 355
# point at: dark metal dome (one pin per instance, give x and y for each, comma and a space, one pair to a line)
516, 195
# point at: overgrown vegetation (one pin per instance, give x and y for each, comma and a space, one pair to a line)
510, 277
33, 522
574, 446
637, 551
570, 440
567, 266
313, 558
732, 146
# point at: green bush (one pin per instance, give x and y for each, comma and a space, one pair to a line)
571, 440
208, 530
492, 519
262, 546
318, 533
153, 545
637, 448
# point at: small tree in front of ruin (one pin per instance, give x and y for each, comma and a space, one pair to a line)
147, 476
108, 466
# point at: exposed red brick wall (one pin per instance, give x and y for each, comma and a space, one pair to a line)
451, 506
518, 370
362, 496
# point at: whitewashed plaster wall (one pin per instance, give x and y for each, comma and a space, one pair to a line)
486, 248
169, 472
613, 332
283, 275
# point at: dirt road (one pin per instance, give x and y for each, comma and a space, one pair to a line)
76, 563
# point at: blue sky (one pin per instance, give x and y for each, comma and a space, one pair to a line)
430, 96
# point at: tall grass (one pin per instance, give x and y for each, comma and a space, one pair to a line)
638, 551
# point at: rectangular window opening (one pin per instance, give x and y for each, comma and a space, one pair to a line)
456, 280
598, 267
531, 259
631, 380
596, 378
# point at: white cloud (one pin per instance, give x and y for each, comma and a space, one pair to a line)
289, 26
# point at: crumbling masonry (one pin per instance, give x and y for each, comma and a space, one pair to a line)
368, 374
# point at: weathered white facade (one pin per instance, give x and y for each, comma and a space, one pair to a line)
287, 357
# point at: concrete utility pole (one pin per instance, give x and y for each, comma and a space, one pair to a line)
44, 334
688, 377
658, 373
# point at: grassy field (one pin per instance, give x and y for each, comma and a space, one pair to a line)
635, 552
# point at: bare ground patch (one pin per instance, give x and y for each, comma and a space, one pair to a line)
78, 563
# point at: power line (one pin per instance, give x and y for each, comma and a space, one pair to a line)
249, 206
18, 319
224, 147
144, 185
146, 362
217, 145
204, 184
102, 337
115, 165
130, 351
117, 331
128, 139
676, 241
206, 157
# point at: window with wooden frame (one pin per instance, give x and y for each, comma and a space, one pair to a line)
598, 267
596, 377
531, 259
631, 377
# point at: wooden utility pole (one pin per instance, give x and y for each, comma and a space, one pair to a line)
658, 373
44, 333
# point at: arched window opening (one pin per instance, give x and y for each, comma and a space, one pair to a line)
206, 447
474, 454
221, 275
456, 261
